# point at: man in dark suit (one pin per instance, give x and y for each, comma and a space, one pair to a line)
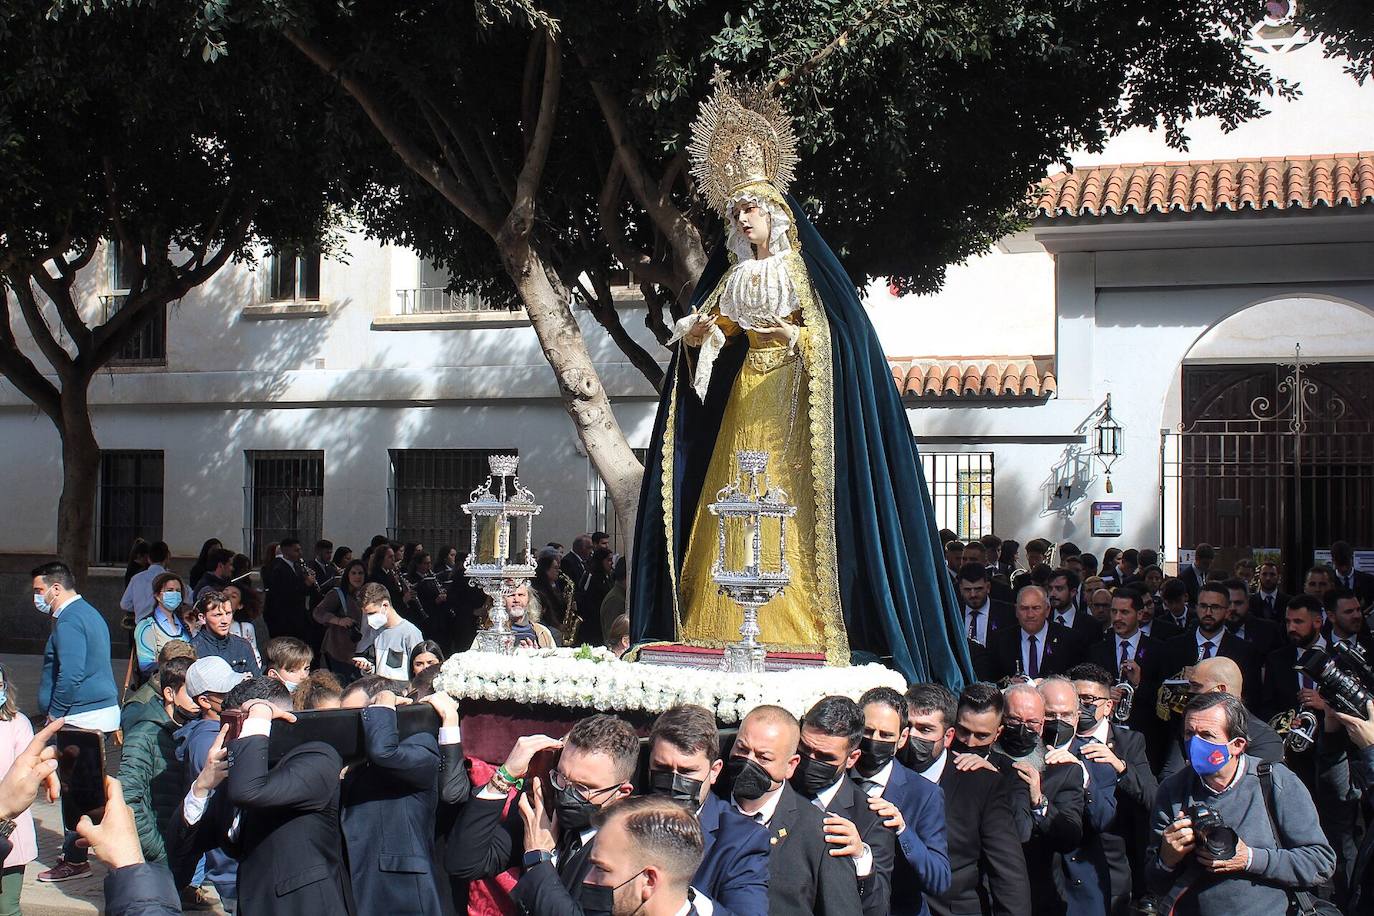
911, 806
803, 877
1132, 657
1098, 876
977, 808
1210, 640
389, 805
1269, 602
646, 852
1048, 791
1177, 607
830, 734
574, 563
983, 615
1347, 576
289, 846
1221, 675
1195, 575
290, 593
684, 763
1345, 621
553, 835
1035, 647
1285, 688
975, 552
1264, 635
1065, 609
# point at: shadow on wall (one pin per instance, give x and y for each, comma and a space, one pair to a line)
26, 630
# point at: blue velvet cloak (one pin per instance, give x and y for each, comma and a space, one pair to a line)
894, 585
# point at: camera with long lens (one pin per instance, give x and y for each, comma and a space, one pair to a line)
1213, 834
1343, 675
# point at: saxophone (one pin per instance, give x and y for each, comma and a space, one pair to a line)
571, 621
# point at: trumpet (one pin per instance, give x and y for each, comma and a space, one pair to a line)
1297, 727
1122, 710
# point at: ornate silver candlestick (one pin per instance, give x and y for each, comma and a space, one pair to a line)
745, 509
499, 560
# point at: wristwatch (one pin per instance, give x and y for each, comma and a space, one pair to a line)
535, 856
6, 828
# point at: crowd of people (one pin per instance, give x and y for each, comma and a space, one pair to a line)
1133, 743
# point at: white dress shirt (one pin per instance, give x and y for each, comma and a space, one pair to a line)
766, 810
138, 595
1040, 640
936, 768
878, 781
1131, 642
1065, 617
1214, 640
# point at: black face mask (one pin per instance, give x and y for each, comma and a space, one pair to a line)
680, 788
574, 811
812, 776
1057, 732
918, 754
874, 755
746, 779
1087, 719
1018, 739
599, 900
959, 747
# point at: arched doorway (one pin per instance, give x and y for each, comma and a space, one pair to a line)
1275, 451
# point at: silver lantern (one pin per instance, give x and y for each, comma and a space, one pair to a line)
752, 520
499, 560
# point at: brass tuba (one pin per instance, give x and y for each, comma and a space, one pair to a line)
1173, 696
1297, 727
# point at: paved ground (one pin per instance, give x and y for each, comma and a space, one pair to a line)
81, 895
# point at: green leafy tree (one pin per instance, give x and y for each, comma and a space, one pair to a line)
533, 147
115, 134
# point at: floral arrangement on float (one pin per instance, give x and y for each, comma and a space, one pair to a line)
594, 678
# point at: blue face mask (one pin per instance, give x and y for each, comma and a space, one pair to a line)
1206, 757
171, 600
40, 601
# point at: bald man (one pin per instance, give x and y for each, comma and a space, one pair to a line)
803, 877
1221, 675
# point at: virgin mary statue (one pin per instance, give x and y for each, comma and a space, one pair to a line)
779, 357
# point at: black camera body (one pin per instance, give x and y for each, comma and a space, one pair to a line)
1213, 834
1343, 676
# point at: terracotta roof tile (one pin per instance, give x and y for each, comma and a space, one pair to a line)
973, 378
1210, 186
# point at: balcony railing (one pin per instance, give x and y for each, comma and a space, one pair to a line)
435, 301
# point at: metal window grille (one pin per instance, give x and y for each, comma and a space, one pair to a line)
961, 489
601, 511
149, 345
283, 498
294, 277
128, 504
429, 487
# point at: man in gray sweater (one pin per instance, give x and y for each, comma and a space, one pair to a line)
1265, 868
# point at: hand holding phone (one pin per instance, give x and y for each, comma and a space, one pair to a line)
81, 769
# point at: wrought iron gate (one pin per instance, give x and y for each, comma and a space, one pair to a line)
1274, 456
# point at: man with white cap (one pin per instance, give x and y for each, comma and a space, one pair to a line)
207, 681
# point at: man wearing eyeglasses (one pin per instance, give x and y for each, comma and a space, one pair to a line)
1211, 640
552, 834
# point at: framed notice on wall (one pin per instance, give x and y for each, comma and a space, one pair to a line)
1107, 522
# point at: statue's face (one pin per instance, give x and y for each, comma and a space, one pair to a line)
753, 223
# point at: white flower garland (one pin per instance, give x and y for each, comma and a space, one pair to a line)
594, 678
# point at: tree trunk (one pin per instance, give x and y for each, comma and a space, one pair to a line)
80, 478
584, 398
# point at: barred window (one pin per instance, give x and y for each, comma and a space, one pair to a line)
128, 504
283, 498
961, 490
149, 345
429, 488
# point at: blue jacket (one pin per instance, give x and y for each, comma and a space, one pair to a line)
1087, 869
389, 805
734, 863
233, 649
76, 664
923, 866
141, 890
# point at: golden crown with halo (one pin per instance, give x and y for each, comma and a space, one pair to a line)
742, 136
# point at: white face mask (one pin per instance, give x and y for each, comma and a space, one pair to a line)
377, 620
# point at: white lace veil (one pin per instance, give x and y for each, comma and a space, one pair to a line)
779, 224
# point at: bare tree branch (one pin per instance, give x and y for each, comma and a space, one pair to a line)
20, 370
839, 41
401, 142
608, 215
52, 351
59, 291
653, 316
601, 303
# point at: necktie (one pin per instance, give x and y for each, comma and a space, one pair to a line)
1033, 669
973, 625
1206, 650
1059, 619
758, 817
570, 847
1125, 655
868, 785
1269, 602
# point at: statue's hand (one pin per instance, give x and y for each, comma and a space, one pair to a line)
697, 329
783, 332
